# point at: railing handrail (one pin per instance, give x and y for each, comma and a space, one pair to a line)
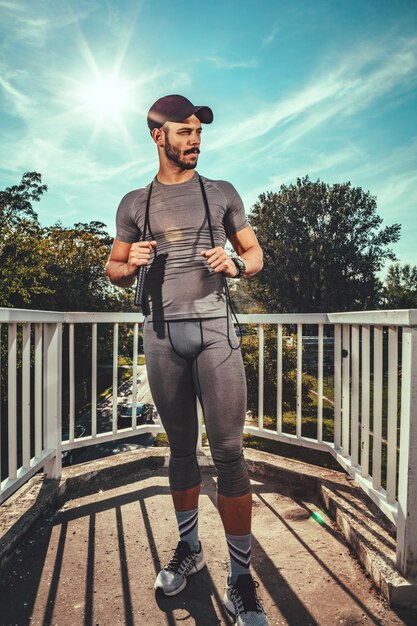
81, 317
21, 316
392, 317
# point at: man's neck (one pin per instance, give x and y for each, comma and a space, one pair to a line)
173, 176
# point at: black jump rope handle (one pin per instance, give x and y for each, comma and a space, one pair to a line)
140, 284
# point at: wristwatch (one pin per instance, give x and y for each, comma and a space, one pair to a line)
241, 266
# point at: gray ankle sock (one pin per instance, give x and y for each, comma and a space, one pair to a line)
188, 527
239, 550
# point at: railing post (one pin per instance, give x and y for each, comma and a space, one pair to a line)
346, 361
261, 376
115, 386
200, 416
320, 359
52, 397
337, 387
279, 379
299, 400
12, 400
365, 400
407, 487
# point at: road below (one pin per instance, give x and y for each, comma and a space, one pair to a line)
105, 417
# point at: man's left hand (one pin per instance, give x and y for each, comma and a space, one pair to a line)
220, 261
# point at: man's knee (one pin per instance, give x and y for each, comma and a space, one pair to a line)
232, 475
184, 472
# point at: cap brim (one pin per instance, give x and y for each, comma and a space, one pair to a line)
204, 114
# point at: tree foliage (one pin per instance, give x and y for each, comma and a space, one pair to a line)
323, 245
22, 277
400, 288
54, 268
16, 201
57, 268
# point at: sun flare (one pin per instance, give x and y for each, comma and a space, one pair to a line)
106, 96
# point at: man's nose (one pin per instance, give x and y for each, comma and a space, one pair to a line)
195, 139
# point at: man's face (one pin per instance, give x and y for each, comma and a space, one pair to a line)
182, 142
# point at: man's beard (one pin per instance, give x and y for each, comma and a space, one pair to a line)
174, 154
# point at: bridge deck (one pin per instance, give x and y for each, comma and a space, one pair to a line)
94, 561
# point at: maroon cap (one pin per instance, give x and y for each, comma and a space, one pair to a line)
176, 108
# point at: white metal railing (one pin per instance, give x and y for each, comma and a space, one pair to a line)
373, 353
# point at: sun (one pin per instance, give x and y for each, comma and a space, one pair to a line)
106, 97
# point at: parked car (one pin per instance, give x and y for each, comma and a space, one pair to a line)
69, 456
144, 414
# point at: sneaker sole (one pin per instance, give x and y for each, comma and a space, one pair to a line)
195, 570
228, 605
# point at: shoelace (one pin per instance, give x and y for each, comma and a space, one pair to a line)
181, 553
244, 596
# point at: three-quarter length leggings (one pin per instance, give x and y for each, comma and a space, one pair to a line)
190, 358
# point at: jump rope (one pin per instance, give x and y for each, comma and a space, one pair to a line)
140, 295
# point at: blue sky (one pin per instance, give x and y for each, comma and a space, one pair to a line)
325, 88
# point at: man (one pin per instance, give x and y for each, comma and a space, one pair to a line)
178, 226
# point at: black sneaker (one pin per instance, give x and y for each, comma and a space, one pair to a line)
242, 603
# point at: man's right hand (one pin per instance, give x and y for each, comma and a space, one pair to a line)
139, 254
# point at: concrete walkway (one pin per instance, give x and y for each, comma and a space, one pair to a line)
94, 561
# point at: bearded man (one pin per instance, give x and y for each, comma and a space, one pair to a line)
177, 226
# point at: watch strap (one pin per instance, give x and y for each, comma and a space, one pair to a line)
241, 266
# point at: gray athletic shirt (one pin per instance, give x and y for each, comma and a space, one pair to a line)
180, 284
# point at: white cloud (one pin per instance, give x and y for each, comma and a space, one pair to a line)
230, 65
316, 163
358, 81
178, 80
11, 6
276, 114
399, 192
266, 41
20, 25
19, 102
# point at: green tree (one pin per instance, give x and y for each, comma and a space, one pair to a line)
323, 245
23, 275
400, 287
53, 268
16, 201
57, 268
75, 260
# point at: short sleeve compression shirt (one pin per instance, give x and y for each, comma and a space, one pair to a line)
180, 284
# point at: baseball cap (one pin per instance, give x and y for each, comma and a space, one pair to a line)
175, 108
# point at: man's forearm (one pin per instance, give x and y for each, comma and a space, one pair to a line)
253, 258
120, 274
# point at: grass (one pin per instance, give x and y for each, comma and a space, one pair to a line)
126, 360
161, 440
309, 421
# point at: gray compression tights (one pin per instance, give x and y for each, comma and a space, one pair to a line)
190, 358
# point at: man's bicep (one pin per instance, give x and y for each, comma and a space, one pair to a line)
120, 251
243, 240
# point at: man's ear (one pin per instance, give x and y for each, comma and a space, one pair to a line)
158, 136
